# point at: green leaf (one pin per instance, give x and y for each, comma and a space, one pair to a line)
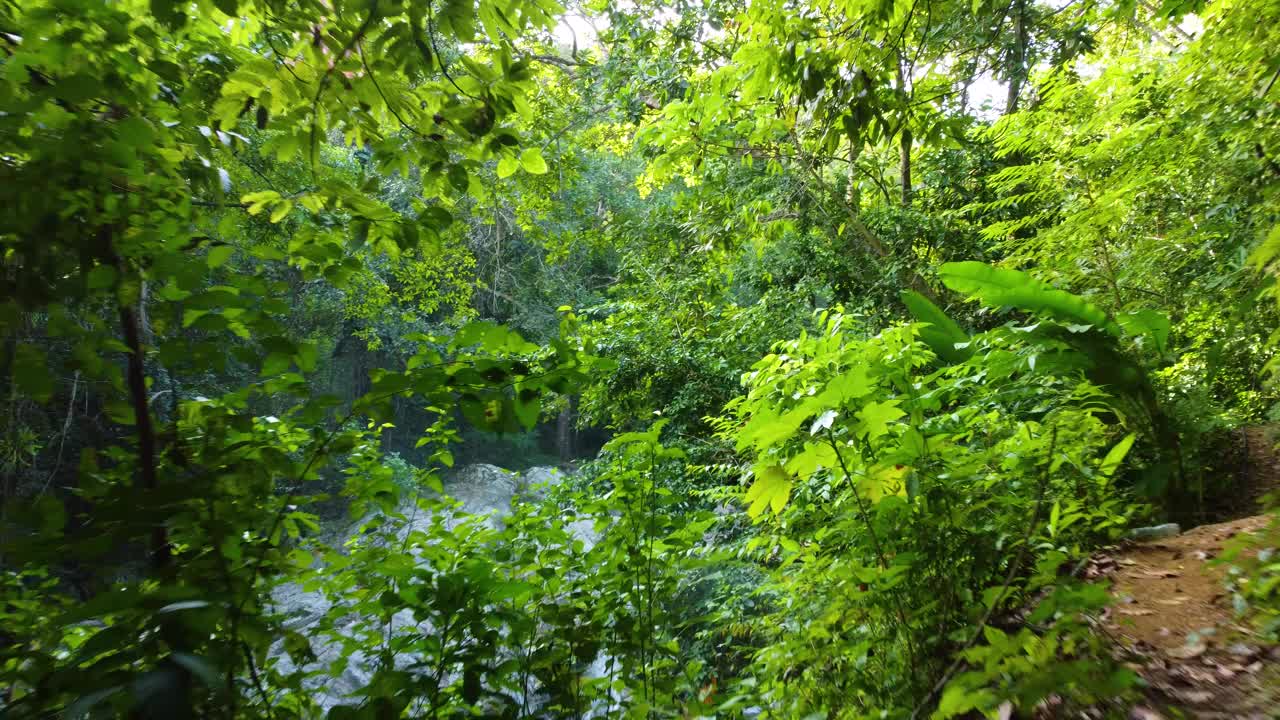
31, 372
532, 162
51, 514
102, 277
1149, 324
876, 416
772, 489
199, 668
458, 18
941, 334
1001, 287
1115, 456
281, 210
219, 255
959, 699
83, 705
259, 201
527, 407
507, 166
459, 178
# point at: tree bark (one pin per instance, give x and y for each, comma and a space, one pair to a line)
564, 430
905, 139
1018, 61
136, 377
904, 166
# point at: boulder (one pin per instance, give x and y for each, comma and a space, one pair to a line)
537, 482
481, 489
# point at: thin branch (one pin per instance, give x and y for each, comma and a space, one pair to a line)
390, 108
66, 428
875, 541
328, 73
1004, 587
556, 60
593, 112
444, 66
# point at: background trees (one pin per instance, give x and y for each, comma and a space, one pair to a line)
270, 265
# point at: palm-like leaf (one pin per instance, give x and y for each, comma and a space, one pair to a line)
999, 287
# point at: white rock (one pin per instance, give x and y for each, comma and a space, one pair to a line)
481, 489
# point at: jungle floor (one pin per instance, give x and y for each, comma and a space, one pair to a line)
1173, 620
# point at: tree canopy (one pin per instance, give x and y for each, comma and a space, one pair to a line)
854, 329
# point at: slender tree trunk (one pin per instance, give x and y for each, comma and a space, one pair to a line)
904, 165
564, 430
136, 377
905, 139
164, 384
854, 196
1018, 61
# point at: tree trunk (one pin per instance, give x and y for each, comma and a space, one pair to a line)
904, 166
1018, 61
906, 138
564, 430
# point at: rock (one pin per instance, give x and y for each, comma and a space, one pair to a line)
302, 607
480, 489
483, 490
536, 482
1188, 651
1155, 532
1243, 651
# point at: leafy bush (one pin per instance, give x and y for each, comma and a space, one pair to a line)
906, 504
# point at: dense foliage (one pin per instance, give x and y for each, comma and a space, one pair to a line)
855, 328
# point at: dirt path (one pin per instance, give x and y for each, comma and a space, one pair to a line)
1173, 619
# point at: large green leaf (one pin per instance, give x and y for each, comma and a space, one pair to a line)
1000, 287
941, 334
771, 489
1148, 324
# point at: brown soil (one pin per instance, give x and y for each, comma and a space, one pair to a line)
1173, 619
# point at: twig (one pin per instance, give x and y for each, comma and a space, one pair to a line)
66, 428
444, 67
390, 108
875, 541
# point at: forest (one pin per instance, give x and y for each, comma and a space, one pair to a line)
796, 359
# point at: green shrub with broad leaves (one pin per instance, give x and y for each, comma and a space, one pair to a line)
910, 510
